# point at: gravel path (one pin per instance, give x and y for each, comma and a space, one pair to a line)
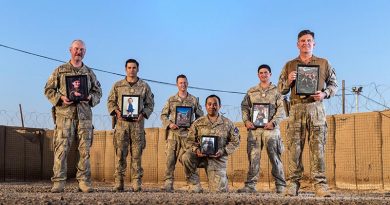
39, 193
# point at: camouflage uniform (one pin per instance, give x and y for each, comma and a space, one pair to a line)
176, 138
259, 137
130, 132
307, 117
72, 119
228, 142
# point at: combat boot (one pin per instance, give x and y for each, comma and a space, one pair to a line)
196, 188
322, 191
137, 186
168, 186
247, 189
280, 189
58, 187
85, 186
292, 189
119, 185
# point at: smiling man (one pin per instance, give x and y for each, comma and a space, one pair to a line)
269, 136
177, 135
130, 131
307, 115
226, 135
72, 118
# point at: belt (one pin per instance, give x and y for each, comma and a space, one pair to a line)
302, 101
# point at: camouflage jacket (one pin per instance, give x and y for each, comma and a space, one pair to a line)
327, 78
56, 87
224, 129
122, 87
270, 95
168, 113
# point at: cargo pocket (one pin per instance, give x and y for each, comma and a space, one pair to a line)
280, 146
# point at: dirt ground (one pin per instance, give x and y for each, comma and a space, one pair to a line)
39, 193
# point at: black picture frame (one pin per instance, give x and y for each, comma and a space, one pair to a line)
260, 114
307, 79
209, 145
77, 88
130, 107
183, 116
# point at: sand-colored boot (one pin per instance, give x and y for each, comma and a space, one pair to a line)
119, 185
196, 188
292, 189
85, 186
58, 187
168, 186
137, 185
322, 191
247, 189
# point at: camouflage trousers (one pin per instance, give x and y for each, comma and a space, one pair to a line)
215, 170
307, 120
129, 134
174, 151
274, 145
64, 135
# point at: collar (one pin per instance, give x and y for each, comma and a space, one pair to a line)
313, 59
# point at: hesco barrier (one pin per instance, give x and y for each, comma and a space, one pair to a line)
357, 149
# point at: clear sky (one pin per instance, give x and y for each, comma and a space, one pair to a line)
217, 44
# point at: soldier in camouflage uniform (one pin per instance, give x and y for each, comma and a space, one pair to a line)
71, 118
307, 116
228, 140
130, 131
264, 92
176, 134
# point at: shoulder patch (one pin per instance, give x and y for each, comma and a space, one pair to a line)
236, 131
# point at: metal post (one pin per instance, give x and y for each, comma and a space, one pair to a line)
21, 114
357, 102
343, 96
357, 91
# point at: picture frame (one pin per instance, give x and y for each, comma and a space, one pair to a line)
183, 116
77, 88
307, 79
260, 114
130, 108
209, 145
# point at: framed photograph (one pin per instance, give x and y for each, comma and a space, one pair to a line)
307, 79
260, 114
183, 116
130, 106
77, 88
209, 145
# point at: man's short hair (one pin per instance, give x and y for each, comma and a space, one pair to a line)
76, 79
132, 61
213, 96
77, 40
264, 66
181, 76
305, 32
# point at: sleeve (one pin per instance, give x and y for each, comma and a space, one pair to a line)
246, 108
279, 114
51, 89
198, 109
148, 102
283, 85
233, 139
331, 82
192, 141
95, 91
112, 101
165, 115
